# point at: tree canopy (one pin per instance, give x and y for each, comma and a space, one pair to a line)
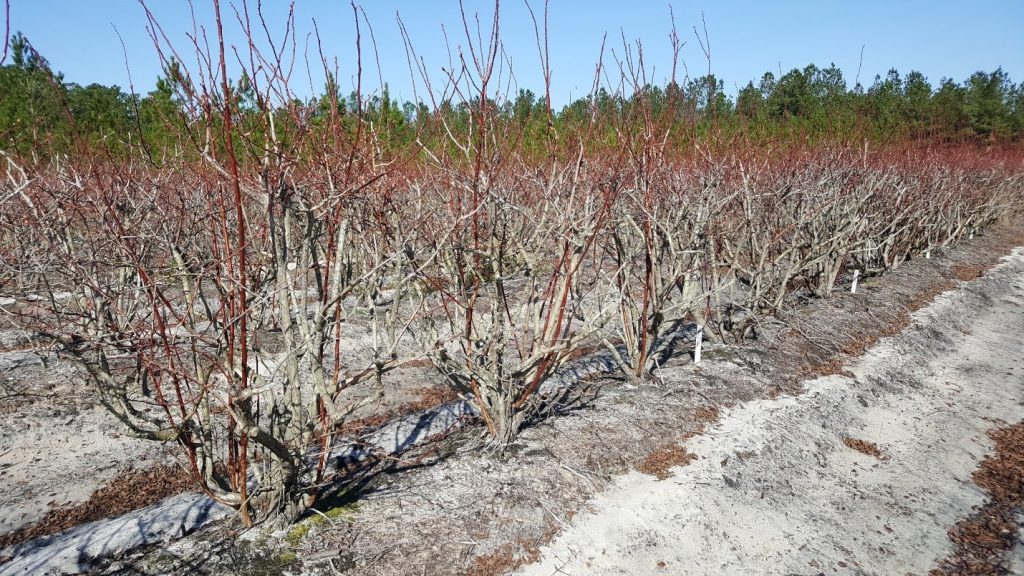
41, 114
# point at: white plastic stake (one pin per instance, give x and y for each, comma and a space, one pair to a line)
927, 254
697, 342
856, 275
971, 237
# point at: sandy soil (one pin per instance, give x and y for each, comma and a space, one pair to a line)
776, 490
57, 444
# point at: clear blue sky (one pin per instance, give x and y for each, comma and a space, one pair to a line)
940, 38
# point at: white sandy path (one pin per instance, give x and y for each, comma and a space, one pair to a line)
59, 451
775, 490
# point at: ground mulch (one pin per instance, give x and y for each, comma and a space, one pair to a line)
660, 462
982, 542
858, 342
359, 426
967, 272
133, 490
430, 397
427, 399
865, 447
807, 347
511, 556
705, 416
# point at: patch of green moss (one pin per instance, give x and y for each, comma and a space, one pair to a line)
286, 557
298, 532
346, 512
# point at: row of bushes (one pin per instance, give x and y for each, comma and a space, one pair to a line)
245, 295
498, 280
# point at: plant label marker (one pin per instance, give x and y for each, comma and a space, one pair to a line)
971, 237
698, 344
927, 254
856, 276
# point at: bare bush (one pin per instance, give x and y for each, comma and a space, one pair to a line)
658, 235
225, 300
505, 271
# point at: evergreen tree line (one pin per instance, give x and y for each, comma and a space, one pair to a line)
41, 114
